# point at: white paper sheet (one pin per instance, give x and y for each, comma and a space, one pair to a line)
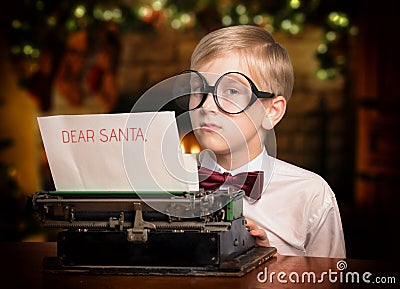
117, 152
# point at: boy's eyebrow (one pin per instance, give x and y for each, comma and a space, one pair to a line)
234, 77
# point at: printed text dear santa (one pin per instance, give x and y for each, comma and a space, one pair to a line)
130, 134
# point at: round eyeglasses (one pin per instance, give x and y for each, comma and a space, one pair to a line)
233, 92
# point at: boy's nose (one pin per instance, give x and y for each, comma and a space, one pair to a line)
209, 103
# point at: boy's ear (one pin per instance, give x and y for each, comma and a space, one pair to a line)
276, 108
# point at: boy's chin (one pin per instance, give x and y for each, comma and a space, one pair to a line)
217, 148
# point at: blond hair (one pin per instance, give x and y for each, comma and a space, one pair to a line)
267, 61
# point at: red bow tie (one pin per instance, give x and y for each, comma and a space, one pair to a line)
250, 182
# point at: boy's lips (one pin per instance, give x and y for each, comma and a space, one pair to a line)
210, 126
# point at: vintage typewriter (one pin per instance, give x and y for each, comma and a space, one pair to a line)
128, 233
115, 215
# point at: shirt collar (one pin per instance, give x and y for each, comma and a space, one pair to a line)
207, 159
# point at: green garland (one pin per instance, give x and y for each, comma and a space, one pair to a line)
29, 33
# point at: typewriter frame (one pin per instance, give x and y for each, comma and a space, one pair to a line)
122, 233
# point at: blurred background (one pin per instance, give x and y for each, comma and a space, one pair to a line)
73, 57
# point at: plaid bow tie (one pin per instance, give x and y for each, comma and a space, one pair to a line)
250, 182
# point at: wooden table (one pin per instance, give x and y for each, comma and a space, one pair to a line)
21, 267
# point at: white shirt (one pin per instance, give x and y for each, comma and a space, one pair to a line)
298, 210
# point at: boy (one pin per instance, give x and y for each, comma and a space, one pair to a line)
297, 211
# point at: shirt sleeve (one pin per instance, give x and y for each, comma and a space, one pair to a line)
325, 235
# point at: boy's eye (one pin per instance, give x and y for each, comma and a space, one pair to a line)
196, 86
231, 91
235, 90
196, 89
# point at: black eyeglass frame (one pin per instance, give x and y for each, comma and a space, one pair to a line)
256, 93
